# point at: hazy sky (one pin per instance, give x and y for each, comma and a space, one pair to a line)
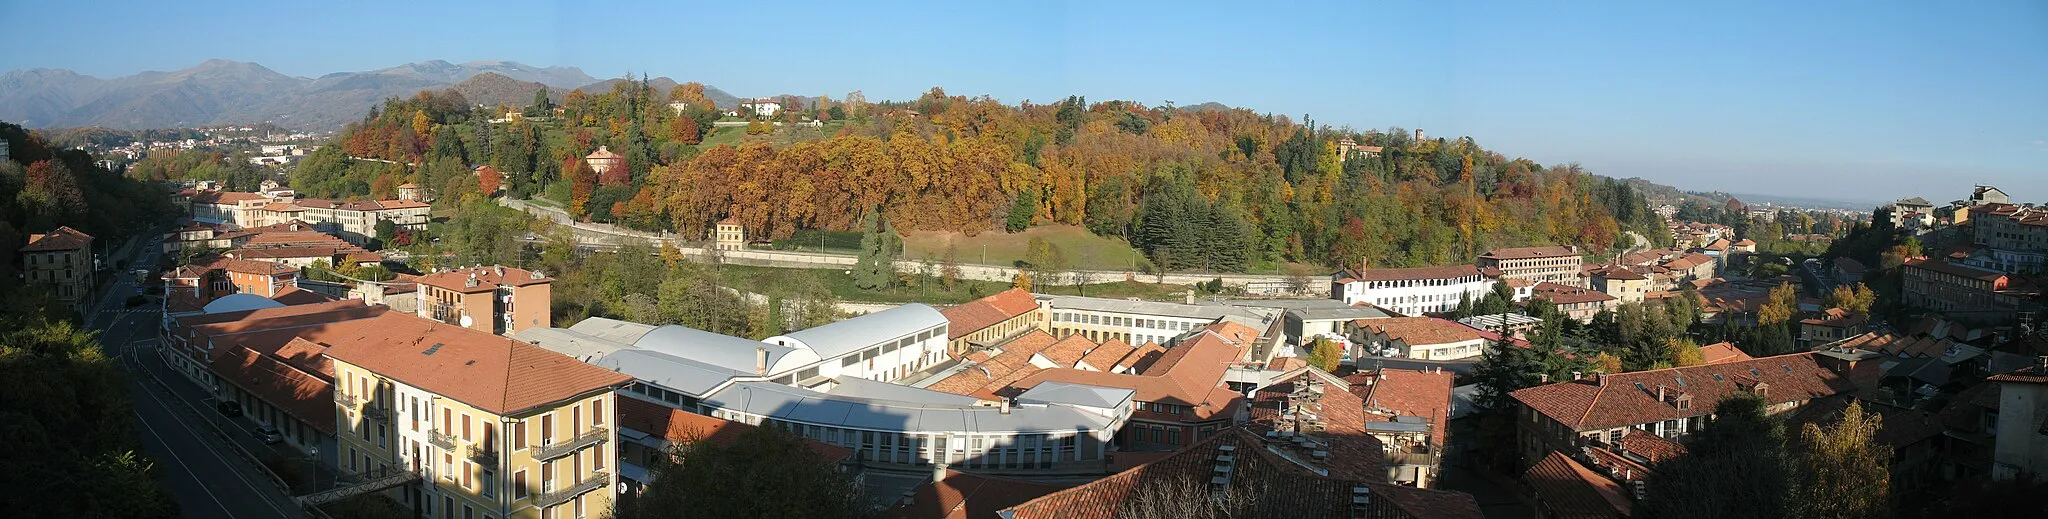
1858, 100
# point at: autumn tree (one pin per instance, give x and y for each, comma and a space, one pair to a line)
1684, 352
1021, 281
488, 179
1844, 470
582, 181
762, 472
1324, 353
1779, 309
1857, 299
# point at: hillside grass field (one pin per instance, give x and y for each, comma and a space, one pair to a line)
1084, 250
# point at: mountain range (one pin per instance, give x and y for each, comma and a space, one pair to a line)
232, 92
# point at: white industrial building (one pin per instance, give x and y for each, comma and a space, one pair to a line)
832, 384
1411, 291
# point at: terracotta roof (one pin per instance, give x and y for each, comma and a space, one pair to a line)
1721, 352
225, 197
603, 153
1142, 357
1419, 331
1068, 351
1285, 488
1403, 392
1567, 294
286, 253
61, 238
1834, 318
299, 296
1353, 452
1189, 374
1632, 398
283, 207
961, 495
989, 311
488, 278
683, 426
1529, 252
1650, 446
1719, 244
1569, 490
986, 369
492, 373
2028, 375
301, 395
1105, 356
1620, 274
1688, 261
1412, 273
248, 266
1746, 242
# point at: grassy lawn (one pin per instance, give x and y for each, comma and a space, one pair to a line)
1083, 250
841, 285
727, 135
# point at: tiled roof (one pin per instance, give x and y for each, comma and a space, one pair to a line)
1529, 252
1620, 273
2028, 375
299, 394
1567, 294
1189, 374
61, 238
299, 296
679, 425
225, 197
1632, 398
1403, 392
1283, 488
1569, 490
496, 374
1420, 331
488, 278
961, 495
1721, 352
988, 311
249, 266
1413, 273
1650, 446
1105, 356
1834, 318
1068, 350
1353, 452
1142, 357
986, 369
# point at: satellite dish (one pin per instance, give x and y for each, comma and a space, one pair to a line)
465, 321
622, 487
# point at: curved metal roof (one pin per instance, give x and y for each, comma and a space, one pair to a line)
852, 335
724, 351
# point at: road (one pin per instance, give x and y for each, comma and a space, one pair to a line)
205, 476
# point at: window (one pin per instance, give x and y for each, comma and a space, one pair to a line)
547, 429
849, 361
519, 485
465, 427
518, 435
597, 411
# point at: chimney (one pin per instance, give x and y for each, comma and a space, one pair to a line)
1006, 405
1660, 392
1576, 375
1545, 377
1191, 296
2041, 363
938, 472
1600, 378
761, 360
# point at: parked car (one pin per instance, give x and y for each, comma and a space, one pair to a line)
229, 409
268, 434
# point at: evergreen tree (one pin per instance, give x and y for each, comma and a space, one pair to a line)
876, 267
1021, 211
1737, 467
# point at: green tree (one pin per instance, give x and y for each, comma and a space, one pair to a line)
1737, 467
1324, 353
1021, 212
763, 472
1845, 471
876, 267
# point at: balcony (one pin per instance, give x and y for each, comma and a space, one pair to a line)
594, 436
444, 441
483, 456
597, 480
347, 400
378, 412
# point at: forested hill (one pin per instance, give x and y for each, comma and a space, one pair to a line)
1218, 189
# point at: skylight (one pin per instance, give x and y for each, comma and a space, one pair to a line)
431, 349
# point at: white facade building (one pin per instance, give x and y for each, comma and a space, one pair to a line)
1411, 291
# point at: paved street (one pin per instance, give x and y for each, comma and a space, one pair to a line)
205, 475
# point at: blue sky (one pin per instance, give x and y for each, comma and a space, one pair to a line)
1856, 100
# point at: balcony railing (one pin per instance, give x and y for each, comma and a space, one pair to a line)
378, 412
596, 480
347, 400
595, 435
483, 456
443, 441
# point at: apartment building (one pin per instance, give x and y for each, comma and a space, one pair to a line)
62, 261
496, 299
1426, 338
269, 361
1554, 264
729, 234
990, 320
2016, 236
352, 220
1622, 283
1411, 291
1945, 287
2022, 407
1139, 322
1671, 402
497, 428
1574, 301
